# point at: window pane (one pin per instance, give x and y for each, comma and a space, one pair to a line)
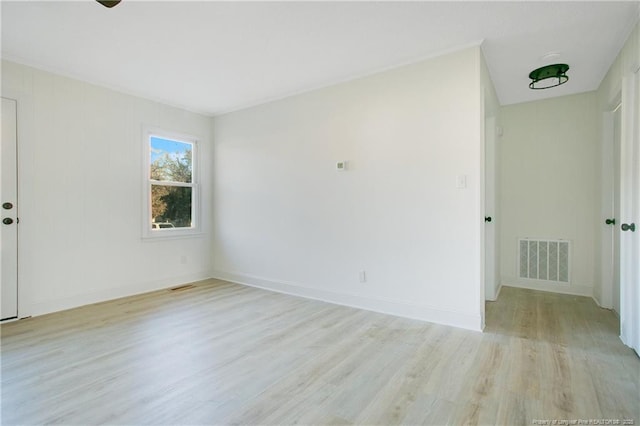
171, 160
171, 207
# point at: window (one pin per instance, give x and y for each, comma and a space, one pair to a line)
171, 190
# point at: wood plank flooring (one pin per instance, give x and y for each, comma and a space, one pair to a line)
221, 353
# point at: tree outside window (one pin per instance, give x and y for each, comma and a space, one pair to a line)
171, 184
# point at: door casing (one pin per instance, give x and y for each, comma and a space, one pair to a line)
9, 194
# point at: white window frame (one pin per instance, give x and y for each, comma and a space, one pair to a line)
196, 228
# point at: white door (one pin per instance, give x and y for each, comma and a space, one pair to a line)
490, 264
9, 209
630, 213
617, 123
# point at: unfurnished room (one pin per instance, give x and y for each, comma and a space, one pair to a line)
320, 212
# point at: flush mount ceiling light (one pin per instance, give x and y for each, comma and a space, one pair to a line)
108, 3
550, 56
548, 76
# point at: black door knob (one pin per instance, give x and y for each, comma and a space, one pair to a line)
487, 218
610, 221
7, 206
629, 227
7, 221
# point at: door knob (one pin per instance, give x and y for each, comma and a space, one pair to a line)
7, 206
487, 218
629, 227
610, 221
7, 221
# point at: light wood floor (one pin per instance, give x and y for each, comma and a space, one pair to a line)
220, 353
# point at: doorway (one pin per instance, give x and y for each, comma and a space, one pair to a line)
621, 203
9, 209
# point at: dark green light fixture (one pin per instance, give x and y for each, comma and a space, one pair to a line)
548, 76
108, 3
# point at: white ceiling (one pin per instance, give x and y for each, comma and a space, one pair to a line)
215, 57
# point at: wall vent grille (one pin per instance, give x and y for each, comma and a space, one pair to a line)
547, 260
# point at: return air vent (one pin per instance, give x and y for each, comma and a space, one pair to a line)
546, 260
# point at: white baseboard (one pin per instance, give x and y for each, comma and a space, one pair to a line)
391, 307
62, 304
609, 308
600, 305
496, 296
573, 289
499, 290
598, 302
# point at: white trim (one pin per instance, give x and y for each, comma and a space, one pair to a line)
25, 132
131, 289
9, 235
607, 208
549, 286
499, 290
196, 216
630, 212
604, 307
584, 294
497, 294
482, 198
391, 307
617, 107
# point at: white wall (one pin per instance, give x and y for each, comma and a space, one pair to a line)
549, 159
285, 219
609, 94
80, 193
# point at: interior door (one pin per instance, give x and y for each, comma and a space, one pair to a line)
490, 268
9, 210
630, 213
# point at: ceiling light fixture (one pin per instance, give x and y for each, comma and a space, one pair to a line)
548, 76
548, 57
108, 3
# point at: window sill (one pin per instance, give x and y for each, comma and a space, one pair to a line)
171, 234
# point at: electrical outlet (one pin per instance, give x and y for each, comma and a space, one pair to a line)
363, 277
183, 260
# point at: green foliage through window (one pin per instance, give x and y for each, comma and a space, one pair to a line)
171, 174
